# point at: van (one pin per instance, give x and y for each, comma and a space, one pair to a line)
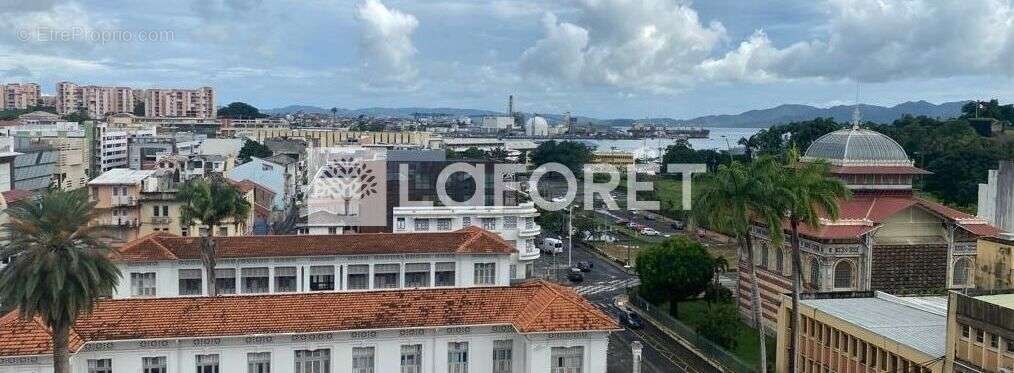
552, 245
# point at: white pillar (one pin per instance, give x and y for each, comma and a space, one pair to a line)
635, 349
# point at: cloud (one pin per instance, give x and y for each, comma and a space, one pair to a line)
386, 47
652, 44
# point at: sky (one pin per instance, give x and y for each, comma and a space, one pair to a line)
597, 58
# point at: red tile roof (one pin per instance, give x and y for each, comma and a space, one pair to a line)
532, 307
164, 246
15, 195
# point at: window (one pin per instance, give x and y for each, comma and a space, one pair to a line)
362, 360
165, 210
843, 275
321, 278
964, 331
443, 224
780, 260
457, 357
100, 366
154, 211
489, 224
399, 224
258, 362
190, 282
223, 231
255, 280
142, 284
285, 279
510, 222
153, 364
417, 275
960, 276
184, 231
978, 335
815, 273
411, 358
485, 273
566, 359
764, 256
1010, 346
313, 361
994, 340
385, 276
207, 363
466, 222
225, 280
359, 276
444, 274
502, 352
332, 230
422, 224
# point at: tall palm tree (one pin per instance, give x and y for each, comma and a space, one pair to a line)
730, 200
58, 267
210, 202
810, 191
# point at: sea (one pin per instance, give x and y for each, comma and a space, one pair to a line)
718, 138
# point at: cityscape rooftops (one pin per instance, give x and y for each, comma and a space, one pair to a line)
168, 247
917, 322
121, 176
532, 307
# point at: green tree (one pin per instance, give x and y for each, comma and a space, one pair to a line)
79, 116
777, 139
988, 109
675, 270
472, 153
809, 190
721, 325
138, 108
210, 202
253, 149
571, 154
729, 200
240, 110
58, 268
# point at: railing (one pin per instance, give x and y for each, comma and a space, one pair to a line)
709, 349
123, 201
161, 220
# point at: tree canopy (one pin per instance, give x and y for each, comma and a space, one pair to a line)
253, 149
240, 110
571, 154
675, 270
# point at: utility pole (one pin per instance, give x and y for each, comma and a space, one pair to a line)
570, 236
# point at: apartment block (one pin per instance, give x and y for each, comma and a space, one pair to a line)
96, 101
19, 96
190, 103
68, 139
980, 331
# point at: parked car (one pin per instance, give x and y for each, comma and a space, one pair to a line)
585, 266
649, 217
647, 231
630, 319
551, 245
622, 221
678, 225
633, 225
575, 275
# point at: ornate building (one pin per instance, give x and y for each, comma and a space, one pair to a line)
885, 238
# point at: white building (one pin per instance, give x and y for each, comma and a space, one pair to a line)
114, 143
515, 224
536, 327
996, 197
162, 265
536, 126
498, 122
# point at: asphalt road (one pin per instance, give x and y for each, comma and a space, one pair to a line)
601, 286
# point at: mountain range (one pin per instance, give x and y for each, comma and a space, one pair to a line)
760, 118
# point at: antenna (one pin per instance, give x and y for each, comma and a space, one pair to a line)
856, 116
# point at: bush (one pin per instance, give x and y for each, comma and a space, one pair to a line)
716, 293
721, 325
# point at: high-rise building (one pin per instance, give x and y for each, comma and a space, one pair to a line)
96, 101
19, 96
191, 103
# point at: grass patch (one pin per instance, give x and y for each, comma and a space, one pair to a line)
693, 312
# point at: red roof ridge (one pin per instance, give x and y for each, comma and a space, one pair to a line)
150, 237
475, 233
571, 297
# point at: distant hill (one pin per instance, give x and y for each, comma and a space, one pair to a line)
761, 118
793, 113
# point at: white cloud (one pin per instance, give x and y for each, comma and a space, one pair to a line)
386, 45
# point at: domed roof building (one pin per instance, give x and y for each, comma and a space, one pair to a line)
537, 126
884, 238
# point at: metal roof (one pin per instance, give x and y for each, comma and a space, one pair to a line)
118, 176
858, 147
917, 322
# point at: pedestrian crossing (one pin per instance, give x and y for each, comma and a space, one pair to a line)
607, 286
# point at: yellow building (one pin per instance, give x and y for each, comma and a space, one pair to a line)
994, 263
980, 331
619, 159
865, 332
328, 138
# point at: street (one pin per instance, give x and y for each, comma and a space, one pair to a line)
601, 286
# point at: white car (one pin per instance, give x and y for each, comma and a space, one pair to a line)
649, 231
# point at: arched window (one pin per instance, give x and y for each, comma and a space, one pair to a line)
843, 275
764, 255
815, 273
780, 260
960, 275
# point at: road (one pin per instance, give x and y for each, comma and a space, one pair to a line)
601, 286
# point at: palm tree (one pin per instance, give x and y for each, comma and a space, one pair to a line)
810, 190
729, 200
59, 266
210, 202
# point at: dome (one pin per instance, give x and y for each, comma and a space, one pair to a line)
536, 126
857, 147
536, 121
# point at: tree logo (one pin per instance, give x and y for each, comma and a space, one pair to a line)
340, 185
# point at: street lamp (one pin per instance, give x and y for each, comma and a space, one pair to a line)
570, 235
635, 350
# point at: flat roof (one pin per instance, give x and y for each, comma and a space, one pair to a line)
118, 176
917, 322
1002, 300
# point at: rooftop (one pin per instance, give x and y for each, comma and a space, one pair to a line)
857, 147
917, 322
166, 247
1002, 300
118, 176
532, 307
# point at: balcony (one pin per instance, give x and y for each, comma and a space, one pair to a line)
118, 222
123, 201
161, 220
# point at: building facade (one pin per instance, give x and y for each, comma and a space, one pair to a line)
885, 238
68, 139
996, 197
35, 166
96, 101
535, 327
994, 263
189, 103
19, 96
980, 332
